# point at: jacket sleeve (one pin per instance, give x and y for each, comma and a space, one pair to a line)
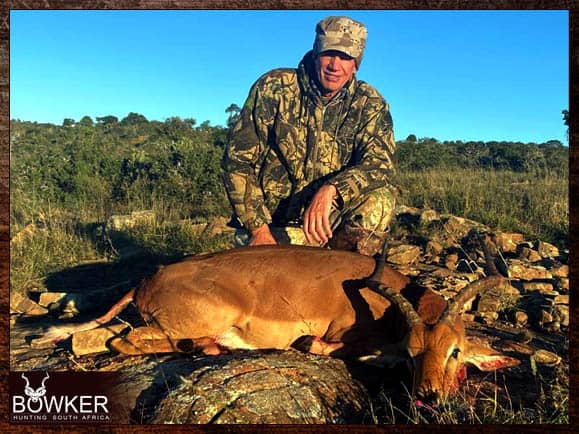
371, 164
244, 154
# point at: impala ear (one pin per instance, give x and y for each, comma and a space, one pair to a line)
480, 354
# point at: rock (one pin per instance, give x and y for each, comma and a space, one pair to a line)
546, 250
248, 388
403, 209
545, 317
219, 226
561, 271
521, 318
455, 228
290, 235
498, 299
519, 270
507, 242
489, 304
542, 287
428, 215
407, 270
453, 284
407, 216
529, 254
547, 358
468, 317
94, 341
450, 261
489, 317
403, 254
563, 283
433, 249
515, 347
441, 273
49, 298
561, 299
561, 312
117, 223
19, 303
15, 299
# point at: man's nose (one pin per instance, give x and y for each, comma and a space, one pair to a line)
334, 62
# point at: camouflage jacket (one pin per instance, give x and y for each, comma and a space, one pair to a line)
287, 143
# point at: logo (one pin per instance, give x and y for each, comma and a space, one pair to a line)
35, 394
39, 397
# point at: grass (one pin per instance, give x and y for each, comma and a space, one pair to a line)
536, 205
484, 401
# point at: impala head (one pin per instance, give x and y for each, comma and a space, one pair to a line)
440, 350
438, 345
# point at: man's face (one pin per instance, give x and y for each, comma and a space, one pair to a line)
334, 70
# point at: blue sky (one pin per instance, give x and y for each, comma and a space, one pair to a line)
452, 75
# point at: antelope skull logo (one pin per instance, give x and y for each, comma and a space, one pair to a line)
35, 394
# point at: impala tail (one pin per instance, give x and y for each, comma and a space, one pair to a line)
56, 334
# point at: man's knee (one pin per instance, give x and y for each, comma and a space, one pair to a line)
365, 224
374, 211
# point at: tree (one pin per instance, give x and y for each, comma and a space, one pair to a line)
107, 120
204, 126
86, 121
68, 122
175, 127
411, 138
134, 119
233, 111
566, 121
190, 121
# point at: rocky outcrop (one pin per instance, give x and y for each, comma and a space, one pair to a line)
248, 388
270, 387
538, 271
437, 251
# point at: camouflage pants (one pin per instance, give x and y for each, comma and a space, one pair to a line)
364, 221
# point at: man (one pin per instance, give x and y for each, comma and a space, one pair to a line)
313, 149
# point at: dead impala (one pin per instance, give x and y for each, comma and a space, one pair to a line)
330, 301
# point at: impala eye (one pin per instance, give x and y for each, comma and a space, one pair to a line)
455, 353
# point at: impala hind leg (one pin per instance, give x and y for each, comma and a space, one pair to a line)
205, 345
144, 340
148, 340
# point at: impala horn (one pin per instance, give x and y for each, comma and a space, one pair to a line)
456, 304
394, 297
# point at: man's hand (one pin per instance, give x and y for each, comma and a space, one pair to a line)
317, 217
261, 236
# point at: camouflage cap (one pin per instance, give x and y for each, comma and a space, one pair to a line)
341, 34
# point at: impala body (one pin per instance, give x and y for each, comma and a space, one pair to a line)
330, 301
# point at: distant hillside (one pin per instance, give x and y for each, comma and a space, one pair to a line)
427, 153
